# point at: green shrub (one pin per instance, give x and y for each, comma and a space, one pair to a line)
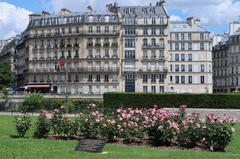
23, 124
43, 125
147, 100
32, 102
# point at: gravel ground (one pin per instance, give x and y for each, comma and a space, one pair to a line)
203, 112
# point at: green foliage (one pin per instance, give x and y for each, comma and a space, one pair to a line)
147, 100
35, 102
32, 103
7, 78
43, 126
23, 124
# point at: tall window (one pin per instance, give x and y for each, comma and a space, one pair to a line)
189, 79
189, 57
145, 31
161, 30
145, 78
202, 80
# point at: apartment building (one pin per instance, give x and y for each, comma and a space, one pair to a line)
122, 49
226, 61
190, 58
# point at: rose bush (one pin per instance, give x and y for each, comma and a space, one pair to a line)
156, 125
23, 124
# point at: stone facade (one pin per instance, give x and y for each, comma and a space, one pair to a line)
123, 49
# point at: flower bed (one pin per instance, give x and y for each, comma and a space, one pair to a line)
154, 126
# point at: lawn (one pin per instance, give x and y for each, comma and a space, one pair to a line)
27, 148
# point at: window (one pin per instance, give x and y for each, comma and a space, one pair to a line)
98, 77
153, 30
153, 89
182, 36
189, 68
176, 36
182, 46
183, 79
182, 68
189, 57
107, 18
145, 42
145, 78
145, 31
161, 89
176, 68
189, 36
90, 29
106, 29
145, 19
130, 54
153, 54
130, 43
201, 46
153, 77
189, 46
145, 54
153, 40
161, 78
145, 89
202, 79
106, 78
177, 79
98, 29
161, 20
177, 46
161, 30
89, 77
202, 68
161, 53
190, 79
182, 57
153, 20
201, 36
176, 57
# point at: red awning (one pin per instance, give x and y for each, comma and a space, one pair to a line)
37, 86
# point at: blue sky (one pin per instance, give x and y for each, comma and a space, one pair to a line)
214, 14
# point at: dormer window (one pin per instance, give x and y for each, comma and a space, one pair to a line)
90, 19
107, 19
152, 10
144, 10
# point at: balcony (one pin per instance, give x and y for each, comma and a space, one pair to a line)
154, 46
69, 45
97, 44
114, 44
106, 44
35, 59
76, 45
90, 44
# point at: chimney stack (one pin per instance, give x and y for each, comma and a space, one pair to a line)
45, 14
34, 16
89, 9
64, 12
191, 21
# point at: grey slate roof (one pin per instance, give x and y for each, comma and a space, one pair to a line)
181, 26
236, 32
74, 17
139, 10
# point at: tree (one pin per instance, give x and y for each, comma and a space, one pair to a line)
7, 77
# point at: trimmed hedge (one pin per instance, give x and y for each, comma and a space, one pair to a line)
36, 102
146, 100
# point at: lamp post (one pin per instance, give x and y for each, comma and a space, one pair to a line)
62, 63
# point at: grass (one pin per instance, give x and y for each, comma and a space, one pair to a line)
28, 148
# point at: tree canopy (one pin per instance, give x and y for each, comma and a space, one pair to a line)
7, 77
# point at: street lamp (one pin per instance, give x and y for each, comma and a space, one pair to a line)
62, 63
